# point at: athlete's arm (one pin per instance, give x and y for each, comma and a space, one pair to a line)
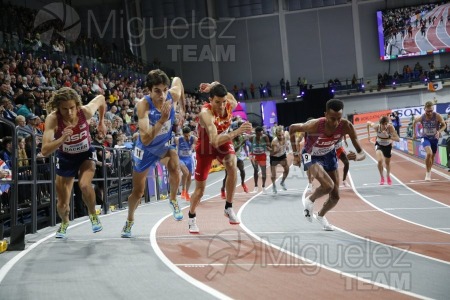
350, 130
194, 144
393, 133
276, 145
49, 144
147, 132
309, 127
98, 103
207, 121
231, 100
177, 92
268, 145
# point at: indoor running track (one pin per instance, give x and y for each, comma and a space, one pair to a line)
390, 242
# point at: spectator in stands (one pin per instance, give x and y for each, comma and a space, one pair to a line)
252, 90
269, 89
40, 109
282, 86
6, 91
22, 157
395, 119
7, 150
7, 110
33, 122
5, 174
111, 114
68, 118
27, 108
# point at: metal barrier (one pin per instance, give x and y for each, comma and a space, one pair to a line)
32, 195
31, 207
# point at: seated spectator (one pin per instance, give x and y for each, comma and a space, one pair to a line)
7, 150
33, 122
7, 110
5, 174
27, 108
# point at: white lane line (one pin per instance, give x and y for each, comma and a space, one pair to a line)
242, 265
415, 208
313, 263
377, 210
423, 180
175, 268
392, 215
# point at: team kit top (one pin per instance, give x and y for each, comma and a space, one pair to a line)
319, 144
222, 124
185, 147
430, 127
160, 144
80, 140
383, 138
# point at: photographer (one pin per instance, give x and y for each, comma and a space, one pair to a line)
396, 121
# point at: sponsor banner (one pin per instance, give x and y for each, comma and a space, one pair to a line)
372, 116
405, 145
409, 111
443, 108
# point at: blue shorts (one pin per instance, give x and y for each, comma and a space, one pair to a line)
328, 161
430, 142
188, 162
144, 157
68, 165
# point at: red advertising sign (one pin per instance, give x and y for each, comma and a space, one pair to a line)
371, 116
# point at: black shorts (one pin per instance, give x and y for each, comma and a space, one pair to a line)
387, 150
68, 165
275, 160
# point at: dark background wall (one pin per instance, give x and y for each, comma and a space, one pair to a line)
321, 43
312, 105
320, 39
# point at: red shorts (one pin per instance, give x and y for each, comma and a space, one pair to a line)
261, 159
204, 160
339, 151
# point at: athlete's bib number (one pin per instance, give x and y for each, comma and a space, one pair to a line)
307, 160
138, 153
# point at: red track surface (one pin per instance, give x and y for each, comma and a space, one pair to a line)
194, 254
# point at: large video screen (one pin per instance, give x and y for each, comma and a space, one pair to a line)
414, 31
